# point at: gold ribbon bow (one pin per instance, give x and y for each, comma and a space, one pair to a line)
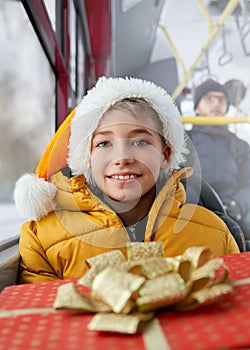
126, 293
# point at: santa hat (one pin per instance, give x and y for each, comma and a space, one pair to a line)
71, 144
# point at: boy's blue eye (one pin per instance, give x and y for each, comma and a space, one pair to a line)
103, 144
140, 143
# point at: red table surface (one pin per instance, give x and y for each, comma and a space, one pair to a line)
222, 325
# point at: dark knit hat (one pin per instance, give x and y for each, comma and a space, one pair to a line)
207, 86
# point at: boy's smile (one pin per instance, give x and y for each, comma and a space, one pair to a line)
123, 178
127, 153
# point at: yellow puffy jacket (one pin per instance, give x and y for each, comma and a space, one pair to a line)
82, 226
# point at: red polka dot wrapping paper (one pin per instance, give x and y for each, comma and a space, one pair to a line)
223, 325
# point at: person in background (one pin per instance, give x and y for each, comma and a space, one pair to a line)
223, 159
123, 145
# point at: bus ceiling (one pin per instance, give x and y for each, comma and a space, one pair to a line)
178, 43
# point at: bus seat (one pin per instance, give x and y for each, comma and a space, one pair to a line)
9, 262
198, 191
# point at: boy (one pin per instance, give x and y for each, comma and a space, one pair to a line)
126, 142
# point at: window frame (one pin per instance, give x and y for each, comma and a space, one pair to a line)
56, 45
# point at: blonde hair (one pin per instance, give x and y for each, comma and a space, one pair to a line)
138, 107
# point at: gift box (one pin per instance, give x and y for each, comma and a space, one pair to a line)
29, 321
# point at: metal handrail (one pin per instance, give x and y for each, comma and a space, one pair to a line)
213, 31
218, 120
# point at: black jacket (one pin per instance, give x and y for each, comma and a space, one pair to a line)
223, 160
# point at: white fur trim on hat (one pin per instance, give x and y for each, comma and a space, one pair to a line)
34, 196
99, 99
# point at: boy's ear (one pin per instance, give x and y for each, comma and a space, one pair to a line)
166, 154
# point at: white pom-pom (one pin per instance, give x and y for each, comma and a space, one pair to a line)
34, 197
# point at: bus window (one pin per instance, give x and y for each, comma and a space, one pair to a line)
27, 104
